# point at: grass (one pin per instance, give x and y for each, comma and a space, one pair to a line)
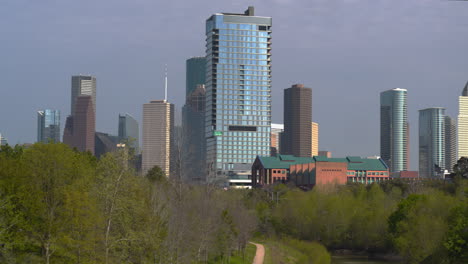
248, 258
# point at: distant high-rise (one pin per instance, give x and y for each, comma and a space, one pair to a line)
297, 121
394, 129
432, 142
3, 140
325, 153
463, 123
129, 131
158, 125
48, 126
193, 135
238, 94
84, 124
104, 143
315, 139
83, 85
276, 131
450, 143
195, 74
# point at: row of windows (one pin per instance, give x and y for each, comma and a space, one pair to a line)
245, 123
243, 50
242, 108
242, 44
279, 171
240, 87
242, 38
247, 116
363, 173
238, 77
243, 61
243, 32
237, 92
244, 97
246, 82
243, 102
243, 72
243, 67
244, 56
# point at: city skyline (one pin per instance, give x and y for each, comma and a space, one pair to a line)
433, 84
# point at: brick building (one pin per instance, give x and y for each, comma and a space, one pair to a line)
318, 170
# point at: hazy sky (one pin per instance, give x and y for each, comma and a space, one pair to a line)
348, 51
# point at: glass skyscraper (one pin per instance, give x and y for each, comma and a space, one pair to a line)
195, 74
129, 131
48, 126
394, 141
432, 142
238, 94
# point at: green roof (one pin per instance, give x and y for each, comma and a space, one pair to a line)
354, 163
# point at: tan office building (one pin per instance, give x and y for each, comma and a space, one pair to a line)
315, 139
158, 127
463, 123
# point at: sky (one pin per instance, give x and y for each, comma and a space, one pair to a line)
347, 51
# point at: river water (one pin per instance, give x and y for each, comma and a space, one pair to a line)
359, 260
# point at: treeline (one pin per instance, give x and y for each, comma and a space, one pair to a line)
422, 222
62, 206
58, 205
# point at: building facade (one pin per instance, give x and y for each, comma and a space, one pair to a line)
238, 94
193, 136
83, 85
158, 125
48, 126
450, 143
81, 126
462, 145
276, 132
318, 170
315, 139
195, 74
297, 137
3, 140
129, 131
432, 142
325, 153
104, 143
394, 139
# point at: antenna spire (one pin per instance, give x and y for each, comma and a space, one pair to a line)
165, 83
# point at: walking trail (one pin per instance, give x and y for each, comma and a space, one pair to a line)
260, 255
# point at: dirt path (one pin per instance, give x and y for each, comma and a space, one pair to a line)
260, 254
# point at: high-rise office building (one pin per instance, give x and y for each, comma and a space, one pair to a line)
48, 126
3, 140
129, 131
158, 125
104, 143
276, 132
325, 153
297, 121
83, 127
463, 124
432, 142
195, 74
193, 136
394, 129
315, 139
238, 94
450, 143
83, 85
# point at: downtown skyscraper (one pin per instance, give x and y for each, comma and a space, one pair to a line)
394, 140
48, 126
297, 136
238, 94
463, 123
450, 143
83, 85
432, 142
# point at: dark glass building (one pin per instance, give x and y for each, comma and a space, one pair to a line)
104, 143
193, 133
48, 126
80, 127
238, 95
432, 142
450, 143
297, 118
195, 73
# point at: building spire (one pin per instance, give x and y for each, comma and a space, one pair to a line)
465, 91
165, 83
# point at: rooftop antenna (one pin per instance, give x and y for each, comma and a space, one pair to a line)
165, 83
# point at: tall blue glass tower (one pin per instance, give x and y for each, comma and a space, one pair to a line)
394, 140
432, 142
238, 94
48, 126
